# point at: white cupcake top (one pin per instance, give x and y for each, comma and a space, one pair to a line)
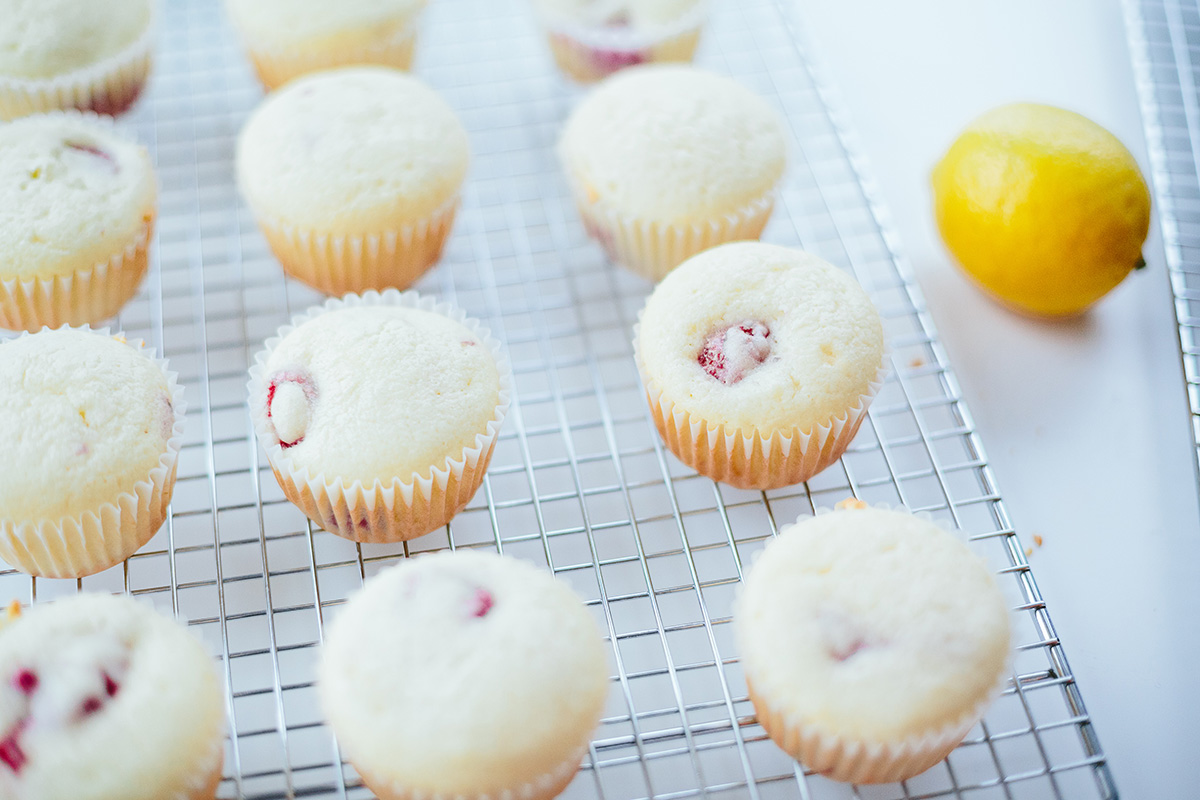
755, 335
463, 672
357, 150
636, 14
102, 697
83, 418
672, 142
47, 38
872, 624
284, 23
383, 392
72, 194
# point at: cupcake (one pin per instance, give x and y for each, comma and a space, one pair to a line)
759, 363
103, 698
354, 176
591, 39
90, 429
379, 413
463, 675
79, 206
82, 54
666, 160
288, 38
872, 641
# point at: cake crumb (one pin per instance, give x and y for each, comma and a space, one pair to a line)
850, 502
1037, 539
1028, 552
917, 362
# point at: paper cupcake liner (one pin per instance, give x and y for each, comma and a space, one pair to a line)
399, 509
207, 778
84, 544
83, 297
544, 787
337, 264
860, 760
590, 54
747, 457
276, 66
110, 86
653, 248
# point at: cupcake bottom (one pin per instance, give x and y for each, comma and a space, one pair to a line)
587, 62
107, 88
385, 513
544, 787
83, 297
652, 248
338, 264
754, 461
276, 67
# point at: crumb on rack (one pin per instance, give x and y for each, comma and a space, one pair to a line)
1037, 539
917, 362
1028, 552
850, 502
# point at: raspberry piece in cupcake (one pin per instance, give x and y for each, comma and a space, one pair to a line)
108, 700
88, 431
59, 54
872, 641
353, 176
665, 161
770, 344
423, 697
393, 402
80, 207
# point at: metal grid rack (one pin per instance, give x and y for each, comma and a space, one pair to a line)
579, 482
1164, 43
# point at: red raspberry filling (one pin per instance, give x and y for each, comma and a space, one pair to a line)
103, 155
10, 750
607, 61
299, 377
25, 681
731, 353
483, 603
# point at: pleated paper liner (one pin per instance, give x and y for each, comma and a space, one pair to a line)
110, 86
859, 760
653, 248
276, 66
338, 264
544, 787
87, 543
588, 54
749, 458
398, 509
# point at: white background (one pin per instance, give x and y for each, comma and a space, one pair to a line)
1086, 422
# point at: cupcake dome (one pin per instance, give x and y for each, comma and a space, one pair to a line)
101, 698
76, 201
673, 151
344, 156
375, 393
88, 432
288, 38
73, 54
872, 640
765, 342
464, 674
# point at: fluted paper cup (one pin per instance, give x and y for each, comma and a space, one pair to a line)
588, 54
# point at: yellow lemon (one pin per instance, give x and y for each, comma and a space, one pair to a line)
1043, 208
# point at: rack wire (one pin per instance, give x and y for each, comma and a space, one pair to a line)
580, 482
1164, 44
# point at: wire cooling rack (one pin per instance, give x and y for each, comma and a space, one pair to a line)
1164, 42
579, 482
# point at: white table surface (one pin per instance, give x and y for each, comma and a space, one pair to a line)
1085, 422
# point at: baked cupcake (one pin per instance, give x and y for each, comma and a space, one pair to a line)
379, 413
668, 160
591, 39
90, 429
354, 176
872, 641
80, 54
103, 698
288, 38
759, 363
465, 675
79, 206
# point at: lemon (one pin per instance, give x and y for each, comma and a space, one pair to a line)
1043, 208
